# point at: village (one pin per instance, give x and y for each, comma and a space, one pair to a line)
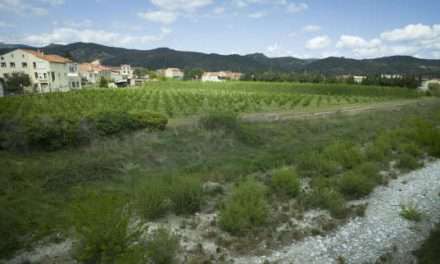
54, 73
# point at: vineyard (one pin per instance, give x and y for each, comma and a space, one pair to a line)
180, 99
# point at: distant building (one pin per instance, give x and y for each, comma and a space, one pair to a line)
359, 78
425, 84
171, 73
221, 76
391, 76
92, 72
211, 77
47, 72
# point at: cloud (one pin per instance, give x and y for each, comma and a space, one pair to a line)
413, 39
319, 42
29, 7
66, 35
258, 15
273, 48
297, 8
412, 32
311, 28
181, 5
164, 17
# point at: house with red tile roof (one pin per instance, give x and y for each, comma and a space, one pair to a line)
48, 72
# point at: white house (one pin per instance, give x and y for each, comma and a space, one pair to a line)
220, 76
47, 72
359, 78
211, 77
172, 73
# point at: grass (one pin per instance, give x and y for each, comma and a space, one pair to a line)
410, 213
37, 186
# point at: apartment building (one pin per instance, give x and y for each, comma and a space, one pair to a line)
48, 73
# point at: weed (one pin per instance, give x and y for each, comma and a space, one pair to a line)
344, 153
410, 213
429, 252
245, 209
220, 120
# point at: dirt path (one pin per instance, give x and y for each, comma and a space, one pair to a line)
313, 113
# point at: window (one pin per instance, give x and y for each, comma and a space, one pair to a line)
45, 75
2, 58
36, 75
12, 64
22, 55
3, 64
24, 64
53, 76
6, 75
35, 65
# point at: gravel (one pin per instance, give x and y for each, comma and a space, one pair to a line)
381, 232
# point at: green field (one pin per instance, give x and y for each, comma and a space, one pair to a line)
104, 193
179, 99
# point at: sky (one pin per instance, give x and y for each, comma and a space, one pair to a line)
298, 28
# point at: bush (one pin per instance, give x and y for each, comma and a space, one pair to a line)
285, 181
100, 221
407, 161
355, 185
52, 132
245, 209
429, 252
314, 164
162, 247
151, 199
186, 194
329, 199
345, 154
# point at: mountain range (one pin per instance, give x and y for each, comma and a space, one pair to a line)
257, 62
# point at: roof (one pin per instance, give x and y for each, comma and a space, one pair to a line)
48, 57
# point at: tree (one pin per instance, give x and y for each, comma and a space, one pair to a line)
103, 82
193, 74
16, 82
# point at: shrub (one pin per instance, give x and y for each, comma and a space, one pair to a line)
100, 221
151, 199
346, 154
329, 199
245, 209
161, 247
50, 132
410, 213
429, 252
426, 135
313, 164
411, 149
186, 194
355, 185
407, 161
285, 181
108, 123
